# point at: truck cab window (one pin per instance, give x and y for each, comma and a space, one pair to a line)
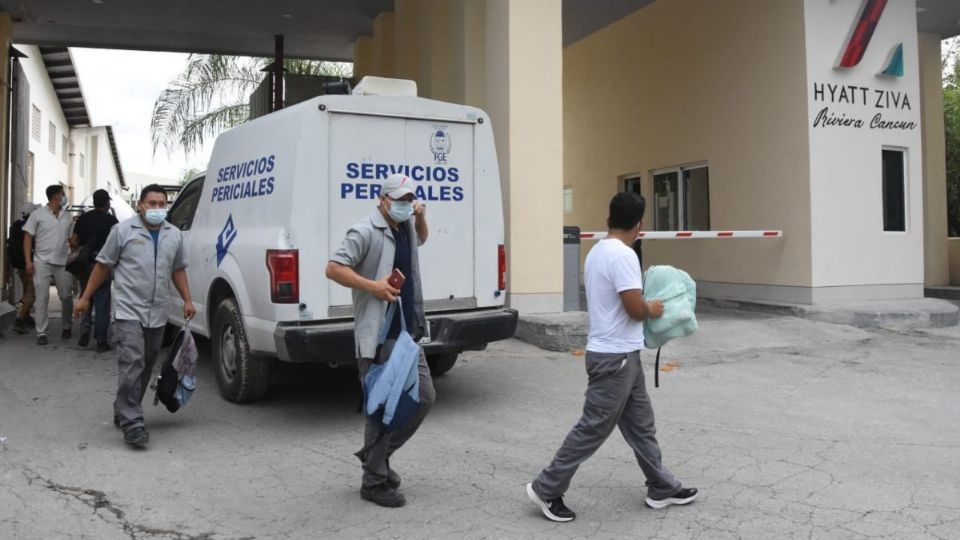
181, 214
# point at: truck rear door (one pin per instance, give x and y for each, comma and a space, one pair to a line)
439, 157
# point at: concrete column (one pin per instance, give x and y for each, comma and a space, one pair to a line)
524, 97
384, 45
936, 264
438, 46
469, 51
406, 39
363, 57
6, 33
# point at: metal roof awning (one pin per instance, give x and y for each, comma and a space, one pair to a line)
63, 76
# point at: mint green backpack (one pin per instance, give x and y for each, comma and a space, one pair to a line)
678, 292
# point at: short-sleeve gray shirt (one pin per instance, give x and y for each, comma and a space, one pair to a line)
50, 234
142, 275
369, 249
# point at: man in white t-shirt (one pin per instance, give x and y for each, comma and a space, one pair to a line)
616, 390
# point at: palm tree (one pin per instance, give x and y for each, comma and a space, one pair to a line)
212, 93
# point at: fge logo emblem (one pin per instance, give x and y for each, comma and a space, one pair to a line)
859, 39
440, 145
227, 236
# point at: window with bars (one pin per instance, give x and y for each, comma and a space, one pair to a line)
52, 139
35, 123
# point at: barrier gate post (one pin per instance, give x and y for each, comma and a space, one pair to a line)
571, 268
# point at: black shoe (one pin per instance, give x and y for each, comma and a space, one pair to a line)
684, 496
84, 338
67, 334
393, 479
42, 339
21, 326
102, 346
383, 495
136, 436
553, 509
31, 322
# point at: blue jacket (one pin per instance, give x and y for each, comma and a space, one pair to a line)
678, 292
391, 390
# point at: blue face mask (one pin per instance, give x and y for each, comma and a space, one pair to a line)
400, 211
63, 201
155, 216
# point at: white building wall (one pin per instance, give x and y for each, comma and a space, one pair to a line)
852, 256
99, 171
48, 167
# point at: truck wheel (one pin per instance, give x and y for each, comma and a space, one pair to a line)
441, 363
241, 376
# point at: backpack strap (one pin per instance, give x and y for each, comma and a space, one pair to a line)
656, 370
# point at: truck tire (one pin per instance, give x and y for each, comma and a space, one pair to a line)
241, 376
441, 363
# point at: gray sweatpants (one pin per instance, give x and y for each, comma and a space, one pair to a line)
137, 351
616, 397
42, 274
375, 454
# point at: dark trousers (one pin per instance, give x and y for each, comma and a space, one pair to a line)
378, 447
137, 351
99, 316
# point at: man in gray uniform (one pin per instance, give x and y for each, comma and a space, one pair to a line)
45, 235
387, 239
146, 253
616, 391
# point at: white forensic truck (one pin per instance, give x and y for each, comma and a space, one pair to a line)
277, 199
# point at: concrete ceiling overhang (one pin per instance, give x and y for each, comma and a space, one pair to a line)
322, 29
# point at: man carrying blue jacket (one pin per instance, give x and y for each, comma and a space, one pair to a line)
616, 390
388, 238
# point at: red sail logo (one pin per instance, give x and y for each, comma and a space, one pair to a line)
862, 32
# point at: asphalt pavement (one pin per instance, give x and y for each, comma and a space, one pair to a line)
791, 428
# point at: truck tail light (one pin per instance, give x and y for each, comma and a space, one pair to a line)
284, 267
501, 268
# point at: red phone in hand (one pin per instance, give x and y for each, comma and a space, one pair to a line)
396, 279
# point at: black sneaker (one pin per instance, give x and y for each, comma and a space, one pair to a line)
383, 495
684, 496
136, 436
21, 326
42, 339
102, 346
553, 509
84, 338
66, 334
393, 479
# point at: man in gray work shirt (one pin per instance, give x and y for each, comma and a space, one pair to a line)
146, 253
45, 237
385, 240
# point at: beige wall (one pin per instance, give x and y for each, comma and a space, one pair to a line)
363, 57
686, 81
936, 268
384, 45
953, 248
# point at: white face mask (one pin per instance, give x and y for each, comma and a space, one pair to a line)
400, 211
155, 216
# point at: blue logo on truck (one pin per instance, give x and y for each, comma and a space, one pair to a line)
227, 236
